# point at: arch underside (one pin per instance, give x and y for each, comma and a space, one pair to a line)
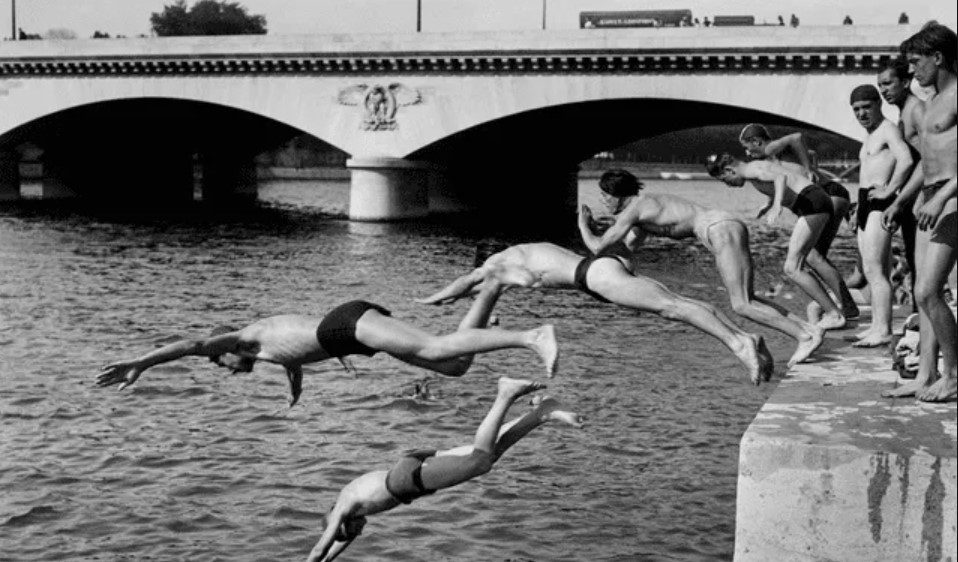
568, 134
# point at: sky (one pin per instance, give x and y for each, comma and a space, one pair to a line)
284, 17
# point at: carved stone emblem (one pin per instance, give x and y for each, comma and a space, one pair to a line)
379, 103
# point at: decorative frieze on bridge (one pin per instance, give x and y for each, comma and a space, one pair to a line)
822, 59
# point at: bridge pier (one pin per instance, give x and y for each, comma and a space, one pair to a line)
385, 189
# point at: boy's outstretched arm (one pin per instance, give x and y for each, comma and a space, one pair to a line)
127, 372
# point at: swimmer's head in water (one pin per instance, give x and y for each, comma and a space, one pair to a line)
753, 139
724, 167
235, 363
893, 80
866, 103
616, 185
932, 48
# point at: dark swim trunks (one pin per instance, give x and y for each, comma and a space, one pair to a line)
946, 229
404, 480
811, 201
337, 332
866, 206
834, 189
581, 270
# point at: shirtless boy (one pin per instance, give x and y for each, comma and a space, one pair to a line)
885, 166
356, 327
894, 82
810, 204
638, 214
931, 56
423, 472
608, 278
791, 152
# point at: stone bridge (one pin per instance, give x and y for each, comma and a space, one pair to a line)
426, 118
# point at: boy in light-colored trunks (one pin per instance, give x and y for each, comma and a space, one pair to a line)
423, 472
812, 207
608, 277
638, 214
356, 327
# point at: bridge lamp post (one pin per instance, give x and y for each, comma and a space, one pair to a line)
418, 16
543, 14
13, 20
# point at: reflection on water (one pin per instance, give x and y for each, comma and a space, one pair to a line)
195, 464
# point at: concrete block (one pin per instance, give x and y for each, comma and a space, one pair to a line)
830, 470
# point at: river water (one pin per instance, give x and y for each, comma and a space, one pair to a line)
194, 464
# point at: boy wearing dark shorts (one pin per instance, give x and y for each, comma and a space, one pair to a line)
810, 203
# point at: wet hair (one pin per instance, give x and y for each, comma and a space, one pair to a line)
932, 38
754, 131
619, 183
716, 163
865, 92
898, 66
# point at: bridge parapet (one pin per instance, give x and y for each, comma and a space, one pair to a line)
686, 50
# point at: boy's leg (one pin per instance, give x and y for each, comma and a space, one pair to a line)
609, 279
481, 309
932, 268
460, 287
734, 263
875, 247
544, 411
450, 354
449, 468
829, 273
805, 234
938, 263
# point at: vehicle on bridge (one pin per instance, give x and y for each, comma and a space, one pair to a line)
636, 18
733, 21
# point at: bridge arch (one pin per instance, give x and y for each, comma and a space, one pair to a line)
143, 150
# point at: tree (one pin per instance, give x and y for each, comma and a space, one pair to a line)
100, 35
847, 21
206, 17
903, 18
60, 33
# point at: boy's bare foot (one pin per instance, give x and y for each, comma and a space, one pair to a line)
543, 341
873, 340
748, 354
806, 347
514, 388
831, 321
547, 409
908, 389
945, 389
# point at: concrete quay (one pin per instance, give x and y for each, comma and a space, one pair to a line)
831, 471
